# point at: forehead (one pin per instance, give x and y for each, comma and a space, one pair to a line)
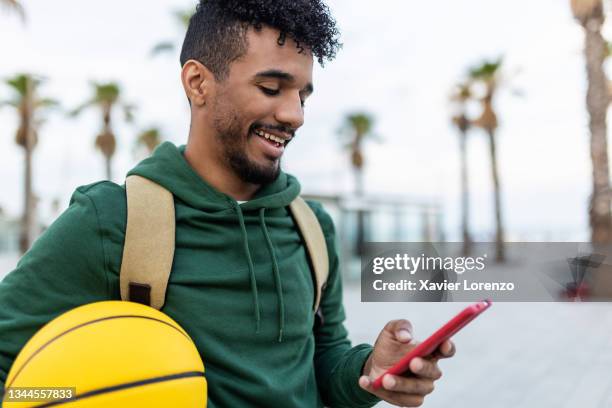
264, 53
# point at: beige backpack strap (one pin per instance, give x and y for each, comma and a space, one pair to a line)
148, 250
313, 238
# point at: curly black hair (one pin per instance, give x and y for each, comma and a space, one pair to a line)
217, 31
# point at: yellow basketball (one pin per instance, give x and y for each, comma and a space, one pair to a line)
113, 354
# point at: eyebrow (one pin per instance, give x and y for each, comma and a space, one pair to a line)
284, 76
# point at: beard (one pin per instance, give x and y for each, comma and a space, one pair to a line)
233, 148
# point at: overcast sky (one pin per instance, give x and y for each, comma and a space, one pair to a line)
400, 60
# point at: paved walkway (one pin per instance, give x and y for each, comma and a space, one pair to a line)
516, 355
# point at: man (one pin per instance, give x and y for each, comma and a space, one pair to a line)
240, 284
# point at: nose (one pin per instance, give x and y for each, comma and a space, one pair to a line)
290, 112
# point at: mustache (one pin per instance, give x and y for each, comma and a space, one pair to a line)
284, 129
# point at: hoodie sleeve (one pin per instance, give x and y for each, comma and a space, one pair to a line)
338, 366
65, 268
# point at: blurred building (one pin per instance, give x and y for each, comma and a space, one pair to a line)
385, 218
9, 234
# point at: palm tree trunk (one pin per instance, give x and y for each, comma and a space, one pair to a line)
361, 235
499, 228
467, 240
27, 218
597, 104
28, 203
359, 182
107, 131
109, 168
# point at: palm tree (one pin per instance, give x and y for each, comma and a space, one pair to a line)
461, 96
106, 97
182, 18
590, 15
28, 106
149, 138
359, 127
14, 5
488, 74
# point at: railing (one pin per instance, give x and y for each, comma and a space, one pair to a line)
383, 219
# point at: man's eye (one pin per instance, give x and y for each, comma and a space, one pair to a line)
269, 91
303, 103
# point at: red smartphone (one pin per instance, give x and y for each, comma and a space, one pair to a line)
433, 342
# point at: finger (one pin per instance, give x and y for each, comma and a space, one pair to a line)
401, 329
365, 383
408, 385
448, 349
425, 368
396, 398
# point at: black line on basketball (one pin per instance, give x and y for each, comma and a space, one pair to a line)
121, 387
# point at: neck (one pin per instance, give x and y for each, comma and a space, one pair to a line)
210, 166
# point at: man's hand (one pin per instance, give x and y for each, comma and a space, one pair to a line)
407, 390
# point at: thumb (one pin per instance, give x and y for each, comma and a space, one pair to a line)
401, 329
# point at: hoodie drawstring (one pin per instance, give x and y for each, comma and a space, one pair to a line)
275, 270
277, 279
247, 252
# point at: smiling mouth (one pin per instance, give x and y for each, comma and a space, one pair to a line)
270, 138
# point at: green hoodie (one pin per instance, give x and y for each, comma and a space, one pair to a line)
240, 286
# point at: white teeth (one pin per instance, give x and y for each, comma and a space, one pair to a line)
274, 138
269, 137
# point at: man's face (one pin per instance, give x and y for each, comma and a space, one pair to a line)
259, 106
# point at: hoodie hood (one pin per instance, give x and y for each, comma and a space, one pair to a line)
168, 168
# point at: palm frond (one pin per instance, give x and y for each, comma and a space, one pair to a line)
47, 103
163, 47
362, 123
128, 112
486, 70
462, 92
79, 109
19, 83
107, 92
149, 138
183, 16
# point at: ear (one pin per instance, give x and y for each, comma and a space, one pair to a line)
197, 82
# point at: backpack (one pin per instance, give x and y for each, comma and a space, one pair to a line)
148, 250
